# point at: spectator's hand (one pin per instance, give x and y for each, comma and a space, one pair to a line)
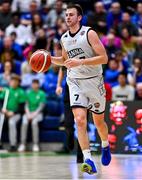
59, 90
1, 88
136, 69
120, 68
29, 116
4, 111
10, 113
33, 115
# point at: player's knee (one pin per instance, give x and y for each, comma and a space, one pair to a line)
80, 121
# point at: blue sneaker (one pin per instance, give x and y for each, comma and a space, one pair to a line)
89, 167
106, 156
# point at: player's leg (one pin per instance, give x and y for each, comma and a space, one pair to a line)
80, 116
35, 132
81, 122
24, 128
97, 102
12, 122
103, 133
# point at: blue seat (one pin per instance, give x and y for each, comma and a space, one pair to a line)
50, 122
52, 136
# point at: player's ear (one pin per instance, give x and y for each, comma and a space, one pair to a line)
79, 17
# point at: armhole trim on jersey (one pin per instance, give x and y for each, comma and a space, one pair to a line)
87, 35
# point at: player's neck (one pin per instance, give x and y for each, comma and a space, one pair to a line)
75, 28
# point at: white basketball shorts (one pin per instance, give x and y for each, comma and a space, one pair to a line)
88, 93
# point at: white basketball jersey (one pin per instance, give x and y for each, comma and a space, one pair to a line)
77, 46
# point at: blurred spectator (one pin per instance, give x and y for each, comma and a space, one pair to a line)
123, 91
50, 81
138, 49
28, 75
123, 64
41, 40
16, 65
26, 18
111, 40
114, 17
61, 27
12, 47
107, 3
136, 75
6, 75
100, 18
33, 113
23, 34
15, 105
111, 43
137, 17
138, 91
37, 23
50, 3
126, 23
23, 6
85, 4
55, 13
111, 74
128, 42
5, 15
108, 92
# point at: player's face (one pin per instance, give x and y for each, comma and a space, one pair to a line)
72, 18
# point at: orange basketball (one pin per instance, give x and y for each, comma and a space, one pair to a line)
40, 61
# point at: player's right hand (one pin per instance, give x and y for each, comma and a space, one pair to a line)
59, 90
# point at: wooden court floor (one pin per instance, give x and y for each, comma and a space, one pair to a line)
51, 166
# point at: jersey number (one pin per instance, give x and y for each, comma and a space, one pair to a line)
76, 97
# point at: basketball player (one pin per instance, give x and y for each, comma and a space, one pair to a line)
83, 54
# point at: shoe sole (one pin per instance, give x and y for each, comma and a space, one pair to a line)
87, 168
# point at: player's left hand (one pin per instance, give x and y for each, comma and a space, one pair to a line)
70, 63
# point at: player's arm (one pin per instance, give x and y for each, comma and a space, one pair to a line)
101, 55
59, 60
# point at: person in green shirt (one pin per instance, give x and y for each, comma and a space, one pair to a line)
14, 108
33, 113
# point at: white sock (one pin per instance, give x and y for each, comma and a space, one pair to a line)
105, 143
87, 154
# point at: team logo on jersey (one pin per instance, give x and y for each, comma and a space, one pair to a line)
97, 105
82, 33
75, 52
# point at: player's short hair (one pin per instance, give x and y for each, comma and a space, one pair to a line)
77, 7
